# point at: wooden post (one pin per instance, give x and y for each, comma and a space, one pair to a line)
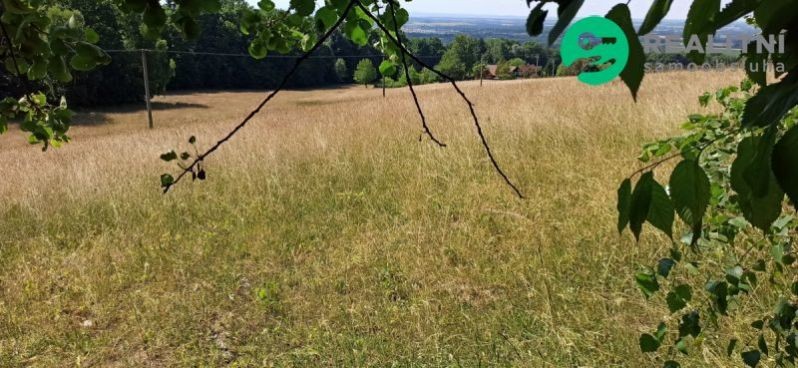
146, 86
481, 73
383, 55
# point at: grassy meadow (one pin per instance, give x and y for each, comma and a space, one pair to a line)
328, 235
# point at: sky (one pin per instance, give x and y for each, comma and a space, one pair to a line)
518, 7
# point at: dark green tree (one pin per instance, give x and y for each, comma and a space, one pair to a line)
463, 53
342, 71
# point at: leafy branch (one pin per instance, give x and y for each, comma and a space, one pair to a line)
676, 155
10, 47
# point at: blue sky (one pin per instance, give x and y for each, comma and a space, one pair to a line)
518, 7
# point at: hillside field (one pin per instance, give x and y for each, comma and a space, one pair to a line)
328, 235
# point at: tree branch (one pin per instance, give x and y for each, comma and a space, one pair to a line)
427, 131
661, 161
283, 83
459, 91
26, 86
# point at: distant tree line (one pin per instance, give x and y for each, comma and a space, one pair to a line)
193, 65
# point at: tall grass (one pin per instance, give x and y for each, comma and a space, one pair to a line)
327, 235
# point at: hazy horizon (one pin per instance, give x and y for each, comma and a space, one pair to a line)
518, 8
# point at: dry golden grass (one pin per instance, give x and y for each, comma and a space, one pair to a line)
327, 235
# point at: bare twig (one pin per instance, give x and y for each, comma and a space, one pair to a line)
283, 83
427, 131
459, 91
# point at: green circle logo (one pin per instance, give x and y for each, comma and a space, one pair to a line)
607, 59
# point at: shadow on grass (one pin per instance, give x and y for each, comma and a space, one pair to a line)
98, 115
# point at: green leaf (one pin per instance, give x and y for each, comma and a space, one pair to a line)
91, 36
327, 16
648, 343
249, 21
662, 329
303, 7
387, 68
675, 303
169, 156
753, 64
671, 364
641, 203
690, 191
355, 33
59, 70
720, 292
690, 325
565, 14
154, 16
677, 299
751, 358
88, 57
17, 7
730, 347
771, 103
257, 49
762, 345
190, 27
785, 164
624, 204
402, 17
660, 213
634, 72
760, 211
685, 292
266, 5
664, 267
659, 9
167, 180
39, 99
775, 16
38, 69
734, 11
700, 20
647, 282
534, 24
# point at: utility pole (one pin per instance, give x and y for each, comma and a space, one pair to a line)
383, 54
146, 86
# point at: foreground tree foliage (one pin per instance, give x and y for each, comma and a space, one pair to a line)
737, 169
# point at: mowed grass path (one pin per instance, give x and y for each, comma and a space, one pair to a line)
328, 235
